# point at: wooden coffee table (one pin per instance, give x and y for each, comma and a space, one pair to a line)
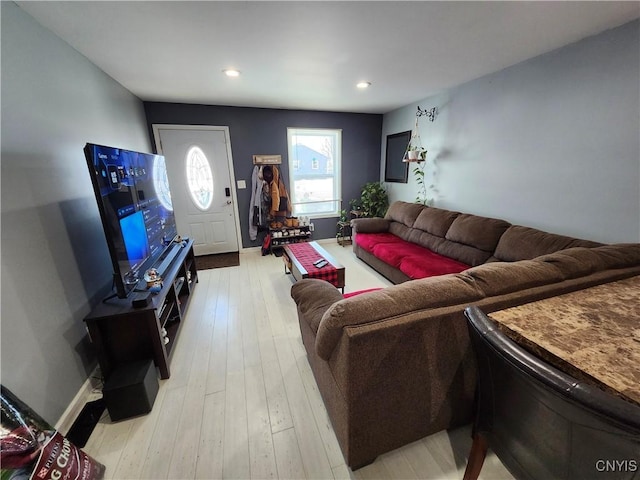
303, 267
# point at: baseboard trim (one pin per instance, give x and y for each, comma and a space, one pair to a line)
326, 240
84, 395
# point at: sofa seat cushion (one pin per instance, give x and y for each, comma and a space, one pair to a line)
393, 252
430, 264
368, 240
414, 260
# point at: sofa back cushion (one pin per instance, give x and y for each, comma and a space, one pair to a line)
425, 239
431, 226
480, 232
390, 302
471, 239
620, 255
401, 230
404, 212
435, 221
525, 243
574, 262
463, 253
496, 278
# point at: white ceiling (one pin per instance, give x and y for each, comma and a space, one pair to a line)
310, 55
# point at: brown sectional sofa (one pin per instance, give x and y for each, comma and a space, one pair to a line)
469, 239
395, 365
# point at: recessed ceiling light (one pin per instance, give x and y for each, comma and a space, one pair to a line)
363, 85
231, 72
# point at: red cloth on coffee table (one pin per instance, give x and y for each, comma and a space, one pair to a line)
306, 255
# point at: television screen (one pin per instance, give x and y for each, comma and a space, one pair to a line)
134, 234
134, 201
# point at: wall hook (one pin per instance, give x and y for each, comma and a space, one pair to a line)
430, 114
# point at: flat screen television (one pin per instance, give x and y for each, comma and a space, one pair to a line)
134, 200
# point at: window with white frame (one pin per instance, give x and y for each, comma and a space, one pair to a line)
314, 171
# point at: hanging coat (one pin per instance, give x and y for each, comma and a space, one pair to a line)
255, 206
280, 204
269, 173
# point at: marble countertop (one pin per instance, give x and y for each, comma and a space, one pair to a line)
591, 334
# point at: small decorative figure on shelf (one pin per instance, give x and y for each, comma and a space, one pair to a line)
152, 278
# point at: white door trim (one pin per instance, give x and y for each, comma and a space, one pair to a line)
156, 137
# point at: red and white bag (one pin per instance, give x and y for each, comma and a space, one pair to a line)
31, 449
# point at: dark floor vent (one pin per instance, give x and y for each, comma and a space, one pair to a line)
82, 428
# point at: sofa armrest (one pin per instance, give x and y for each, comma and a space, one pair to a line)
370, 225
313, 298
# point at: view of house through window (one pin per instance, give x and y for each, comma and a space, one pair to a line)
314, 171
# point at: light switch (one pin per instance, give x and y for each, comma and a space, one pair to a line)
242, 184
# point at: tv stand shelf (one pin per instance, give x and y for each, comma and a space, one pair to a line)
122, 334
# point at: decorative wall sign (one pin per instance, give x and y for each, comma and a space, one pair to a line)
267, 159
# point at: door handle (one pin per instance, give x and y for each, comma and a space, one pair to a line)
228, 202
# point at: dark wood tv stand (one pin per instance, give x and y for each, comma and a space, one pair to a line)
122, 334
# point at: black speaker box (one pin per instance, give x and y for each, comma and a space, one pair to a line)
131, 390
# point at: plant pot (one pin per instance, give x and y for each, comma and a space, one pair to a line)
412, 155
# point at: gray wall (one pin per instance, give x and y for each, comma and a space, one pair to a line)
54, 257
264, 131
551, 143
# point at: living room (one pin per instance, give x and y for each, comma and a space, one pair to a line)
550, 142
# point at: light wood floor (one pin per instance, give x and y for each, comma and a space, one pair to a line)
242, 402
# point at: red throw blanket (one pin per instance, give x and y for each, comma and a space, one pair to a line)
410, 258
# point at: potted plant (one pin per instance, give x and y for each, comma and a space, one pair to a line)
416, 154
412, 153
374, 200
342, 220
343, 228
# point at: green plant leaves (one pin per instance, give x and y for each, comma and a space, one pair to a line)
374, 200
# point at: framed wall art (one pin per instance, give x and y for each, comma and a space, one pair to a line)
395, 170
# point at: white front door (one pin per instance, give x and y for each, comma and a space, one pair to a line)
200, 172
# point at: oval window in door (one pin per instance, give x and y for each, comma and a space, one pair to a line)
199, 178
161, 183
